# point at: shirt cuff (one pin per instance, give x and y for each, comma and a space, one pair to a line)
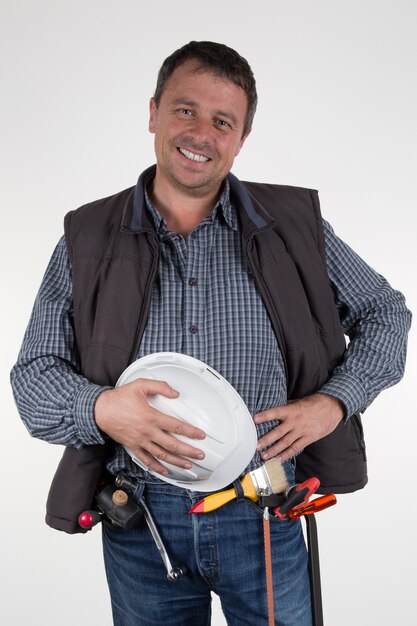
349, 390
84, 402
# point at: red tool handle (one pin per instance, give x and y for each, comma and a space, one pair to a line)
296, 496
88, 519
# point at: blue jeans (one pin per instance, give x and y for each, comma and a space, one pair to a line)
223, 552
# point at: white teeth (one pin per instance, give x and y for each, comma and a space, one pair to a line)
193, 157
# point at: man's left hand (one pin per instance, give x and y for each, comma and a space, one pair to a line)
302, 422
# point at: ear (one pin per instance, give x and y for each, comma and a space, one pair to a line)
242, 141
153, 112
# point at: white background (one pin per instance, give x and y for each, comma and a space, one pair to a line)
337, 112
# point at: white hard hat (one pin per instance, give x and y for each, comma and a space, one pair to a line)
208, 401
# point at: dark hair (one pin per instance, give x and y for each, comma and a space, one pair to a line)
222, 61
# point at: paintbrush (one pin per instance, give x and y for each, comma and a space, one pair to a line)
268, 479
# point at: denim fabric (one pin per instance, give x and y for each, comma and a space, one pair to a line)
223, 552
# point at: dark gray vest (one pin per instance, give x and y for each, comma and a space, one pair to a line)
114, 253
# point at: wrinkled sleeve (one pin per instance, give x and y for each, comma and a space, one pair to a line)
376, 320
55, 402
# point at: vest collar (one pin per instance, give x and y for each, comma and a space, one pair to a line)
254, 217
135, 218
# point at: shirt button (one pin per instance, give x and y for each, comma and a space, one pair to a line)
193, 329
192, 282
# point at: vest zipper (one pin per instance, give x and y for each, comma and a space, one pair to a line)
275, 321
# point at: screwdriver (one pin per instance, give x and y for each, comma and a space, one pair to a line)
314, 506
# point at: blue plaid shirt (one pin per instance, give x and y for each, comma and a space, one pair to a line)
205, 304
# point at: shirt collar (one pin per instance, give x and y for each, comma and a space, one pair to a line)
246, 212
223, 204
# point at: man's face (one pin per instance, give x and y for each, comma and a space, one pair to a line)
198, 129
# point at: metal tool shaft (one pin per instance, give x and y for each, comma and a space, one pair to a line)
173, 573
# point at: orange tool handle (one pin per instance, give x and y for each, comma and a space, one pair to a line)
314, 506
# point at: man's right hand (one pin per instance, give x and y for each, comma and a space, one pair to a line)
126, 416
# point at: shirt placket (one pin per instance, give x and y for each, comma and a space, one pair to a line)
194, 290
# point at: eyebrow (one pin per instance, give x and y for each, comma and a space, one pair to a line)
191, 103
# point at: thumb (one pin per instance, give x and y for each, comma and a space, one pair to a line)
152, 387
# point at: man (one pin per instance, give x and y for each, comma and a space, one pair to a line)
245, 277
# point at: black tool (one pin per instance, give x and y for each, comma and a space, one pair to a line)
115, 505
296, 505
314, 570
307, 511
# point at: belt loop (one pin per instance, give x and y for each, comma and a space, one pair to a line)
138, 493
240, 494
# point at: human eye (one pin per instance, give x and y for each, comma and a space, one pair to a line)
223, 124
184, 111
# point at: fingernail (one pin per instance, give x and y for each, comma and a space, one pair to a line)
265, 456
202, 436
200, 455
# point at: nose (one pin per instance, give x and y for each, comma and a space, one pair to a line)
201, 129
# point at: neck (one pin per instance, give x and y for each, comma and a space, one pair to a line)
181, 211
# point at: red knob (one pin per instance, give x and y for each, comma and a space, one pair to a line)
88, 519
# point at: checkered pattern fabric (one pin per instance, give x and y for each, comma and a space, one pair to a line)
205, 304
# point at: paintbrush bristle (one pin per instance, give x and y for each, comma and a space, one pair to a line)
276, 475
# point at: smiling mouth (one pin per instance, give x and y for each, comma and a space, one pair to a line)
193, 156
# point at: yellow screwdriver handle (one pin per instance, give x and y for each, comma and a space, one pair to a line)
216, 500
